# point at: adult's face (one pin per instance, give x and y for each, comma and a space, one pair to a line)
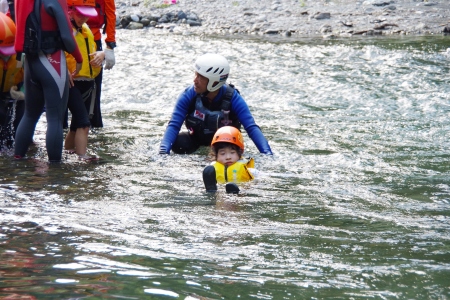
200, 83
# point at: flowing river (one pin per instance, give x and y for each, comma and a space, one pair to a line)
353, 205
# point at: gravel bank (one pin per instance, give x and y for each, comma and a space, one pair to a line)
323, 18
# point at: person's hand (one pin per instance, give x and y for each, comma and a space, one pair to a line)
77, 69
110, 59
16, 94
97, 58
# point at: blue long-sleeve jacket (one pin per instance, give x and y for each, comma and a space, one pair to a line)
238, 107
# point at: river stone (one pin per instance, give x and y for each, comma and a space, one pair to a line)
153, 17
164, 19
135, 25
272, 31
376, 2
222, 17
135, 18
275, 7
193, 23
322, 16
125, 21
192, 16
145, 22
181, 15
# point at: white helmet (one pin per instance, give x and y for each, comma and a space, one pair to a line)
215, 67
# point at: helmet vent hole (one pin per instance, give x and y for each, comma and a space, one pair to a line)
209, 70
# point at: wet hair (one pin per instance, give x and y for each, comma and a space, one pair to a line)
220, 145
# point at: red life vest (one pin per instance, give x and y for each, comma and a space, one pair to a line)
99, 20
35, 32
23, 9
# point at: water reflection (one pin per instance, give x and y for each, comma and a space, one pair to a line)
353, 204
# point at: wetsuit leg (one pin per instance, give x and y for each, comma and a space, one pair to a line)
20, 109
46, 83
34, 104
185, 144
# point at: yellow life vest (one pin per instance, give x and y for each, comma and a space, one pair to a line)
11, 74
87, 45
237, 172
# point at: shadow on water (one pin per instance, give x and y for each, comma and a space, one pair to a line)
354, 203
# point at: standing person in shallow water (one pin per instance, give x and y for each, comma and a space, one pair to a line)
82, 86
207, 105
106, 17
46, 77
11, 80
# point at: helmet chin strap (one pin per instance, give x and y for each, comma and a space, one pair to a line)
207, 91
75, 24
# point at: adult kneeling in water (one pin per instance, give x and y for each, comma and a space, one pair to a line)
207, 105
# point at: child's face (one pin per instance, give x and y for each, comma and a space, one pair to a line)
77, 17
227, 156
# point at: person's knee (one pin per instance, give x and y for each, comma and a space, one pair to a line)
184, 144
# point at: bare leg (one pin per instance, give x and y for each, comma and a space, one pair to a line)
81, 140
69, 142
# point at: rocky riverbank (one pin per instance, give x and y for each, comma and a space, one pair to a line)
325, 18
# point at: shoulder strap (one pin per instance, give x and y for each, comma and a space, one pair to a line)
193, 103
226, 99
37, 13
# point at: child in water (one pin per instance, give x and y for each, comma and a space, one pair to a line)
82, 85
229, 166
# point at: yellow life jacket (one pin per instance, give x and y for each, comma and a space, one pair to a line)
84, 38
10, 74
237, 172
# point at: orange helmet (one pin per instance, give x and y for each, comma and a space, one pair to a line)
7, 35
84, 7
229, 134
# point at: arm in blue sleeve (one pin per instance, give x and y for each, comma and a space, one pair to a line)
240, 108
179, 114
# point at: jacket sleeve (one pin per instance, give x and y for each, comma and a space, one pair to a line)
179, 114
58, 10
240, 108
110, 12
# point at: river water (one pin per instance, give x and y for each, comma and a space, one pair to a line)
353, 205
